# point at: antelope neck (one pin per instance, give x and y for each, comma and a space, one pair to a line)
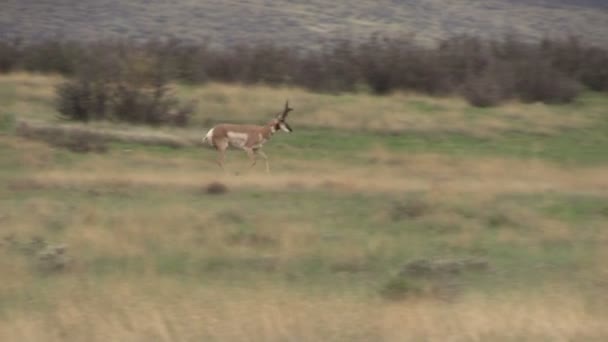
269, 130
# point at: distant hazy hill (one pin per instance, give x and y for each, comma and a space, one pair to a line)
301, 22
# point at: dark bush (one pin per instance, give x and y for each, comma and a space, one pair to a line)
9, 55
399, 288
492, 86
154, 106
75, 100
410, 209
122, 85
378, 60
462, 56
483, 91
388, 64
334, 68
132, 77
216, 188
594, 69
52, 56
537, 81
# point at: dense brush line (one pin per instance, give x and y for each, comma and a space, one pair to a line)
485, 72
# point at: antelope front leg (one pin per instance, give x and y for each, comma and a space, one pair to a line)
252, 157
221, 147
220, 159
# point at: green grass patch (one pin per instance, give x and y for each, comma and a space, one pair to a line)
355, 236
572, 143
586, 146
578, 208
425, 106
7, 122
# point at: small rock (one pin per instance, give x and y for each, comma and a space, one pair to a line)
216, 188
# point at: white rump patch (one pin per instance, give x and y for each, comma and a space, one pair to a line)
208, 137
237, 139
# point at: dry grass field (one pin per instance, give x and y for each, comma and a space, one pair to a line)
363, 231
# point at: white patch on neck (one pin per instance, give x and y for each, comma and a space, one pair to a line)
260, 141
273, 129
237, 139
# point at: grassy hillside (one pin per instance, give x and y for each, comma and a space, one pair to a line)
299, 22
132, 243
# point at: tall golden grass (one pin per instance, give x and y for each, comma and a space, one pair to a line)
32, 99
136, 310
388, 172
28, 96
399, 112
148, 305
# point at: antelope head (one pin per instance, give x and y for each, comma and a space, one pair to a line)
279, 122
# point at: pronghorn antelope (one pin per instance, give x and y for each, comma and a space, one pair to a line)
250, 138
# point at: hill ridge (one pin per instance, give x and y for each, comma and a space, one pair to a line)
300, 22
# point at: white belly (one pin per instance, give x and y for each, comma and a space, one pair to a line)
237, 139
260, 142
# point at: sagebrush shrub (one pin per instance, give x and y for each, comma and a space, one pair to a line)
122, 87
483, 91
550, 71
537, 81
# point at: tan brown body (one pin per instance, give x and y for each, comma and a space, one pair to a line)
249, 138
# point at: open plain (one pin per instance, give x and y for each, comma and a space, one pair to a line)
362, 231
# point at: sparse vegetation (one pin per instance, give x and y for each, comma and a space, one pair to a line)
437, 187
358, 234
435, 278
75, 140
117, 83
7, 122
410, 209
